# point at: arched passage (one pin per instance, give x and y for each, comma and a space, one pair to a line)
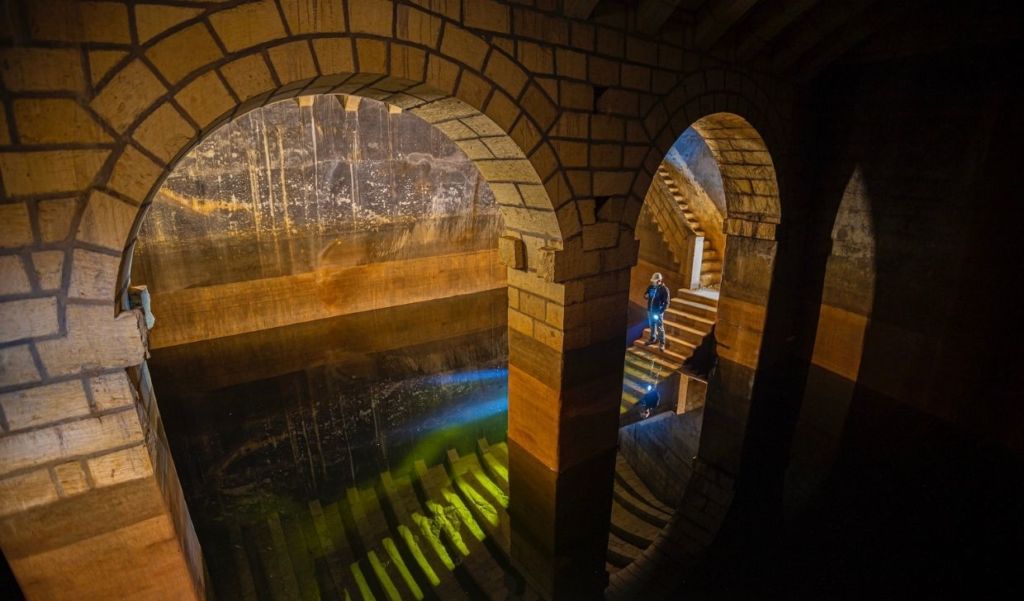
752, 212
157, 107
500, 161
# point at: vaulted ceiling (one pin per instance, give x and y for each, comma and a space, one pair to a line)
802, 38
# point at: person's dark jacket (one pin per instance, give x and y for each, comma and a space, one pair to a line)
651, 399
657, 298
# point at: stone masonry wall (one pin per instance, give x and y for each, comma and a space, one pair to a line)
566, 120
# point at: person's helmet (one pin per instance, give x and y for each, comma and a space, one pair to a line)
656, 277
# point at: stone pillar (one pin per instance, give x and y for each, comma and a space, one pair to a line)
742, 308
90, 504
566, 344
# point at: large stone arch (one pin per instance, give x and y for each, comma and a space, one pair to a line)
102, 447
725, 120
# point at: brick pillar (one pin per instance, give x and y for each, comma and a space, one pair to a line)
90, 505
566, 344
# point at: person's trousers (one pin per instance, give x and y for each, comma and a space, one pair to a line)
656, 321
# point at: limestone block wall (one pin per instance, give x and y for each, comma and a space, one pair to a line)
102, 98
906, 315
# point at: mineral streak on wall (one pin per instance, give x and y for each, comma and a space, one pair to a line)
310, 209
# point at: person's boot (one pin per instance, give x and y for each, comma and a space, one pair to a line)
650, 341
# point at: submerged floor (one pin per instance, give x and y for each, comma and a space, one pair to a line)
363, 457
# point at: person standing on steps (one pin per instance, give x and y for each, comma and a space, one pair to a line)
657, 301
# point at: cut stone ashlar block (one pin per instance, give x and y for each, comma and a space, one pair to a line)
512, 252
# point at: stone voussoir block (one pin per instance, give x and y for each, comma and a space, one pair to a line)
132, 89
248, 25
15, 226
106, 221
13, 276
184, 52
205, 99
314, 16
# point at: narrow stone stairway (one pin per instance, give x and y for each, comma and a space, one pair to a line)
689, 318
711, 260
441, 532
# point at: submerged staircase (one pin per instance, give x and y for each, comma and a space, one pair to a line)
711, 259
688, 319
441, 532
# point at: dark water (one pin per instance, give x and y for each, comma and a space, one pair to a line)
269, 421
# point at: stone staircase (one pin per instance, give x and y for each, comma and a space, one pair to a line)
440, 532
689, 318
711, 259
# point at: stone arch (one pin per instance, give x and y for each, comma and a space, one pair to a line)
847, 296
531, 232
149, 106
754, 210
480, 113
167, 131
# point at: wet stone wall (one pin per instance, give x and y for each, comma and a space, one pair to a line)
309, 182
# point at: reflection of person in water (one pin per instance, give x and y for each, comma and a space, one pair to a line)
649, 402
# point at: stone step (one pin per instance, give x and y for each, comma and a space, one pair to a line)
630, 481
701, 324
383, 565
641, 377
484, 498
669, 354
328, 581
240, 560
710, 266
636, 388
642, 359
694, 308
274, 562
710, 280
639, 507
687, 334
629, 399
461, 531
676, 344
494, 458
330, 532
621, 553
262, 564
302, 564
643, 371
365, 570
422, 542
630, 527
696, 296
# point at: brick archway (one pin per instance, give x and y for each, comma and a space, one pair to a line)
754, 210
101, 99
141, 112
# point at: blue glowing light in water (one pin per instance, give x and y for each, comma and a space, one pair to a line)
468, 377
463, 415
